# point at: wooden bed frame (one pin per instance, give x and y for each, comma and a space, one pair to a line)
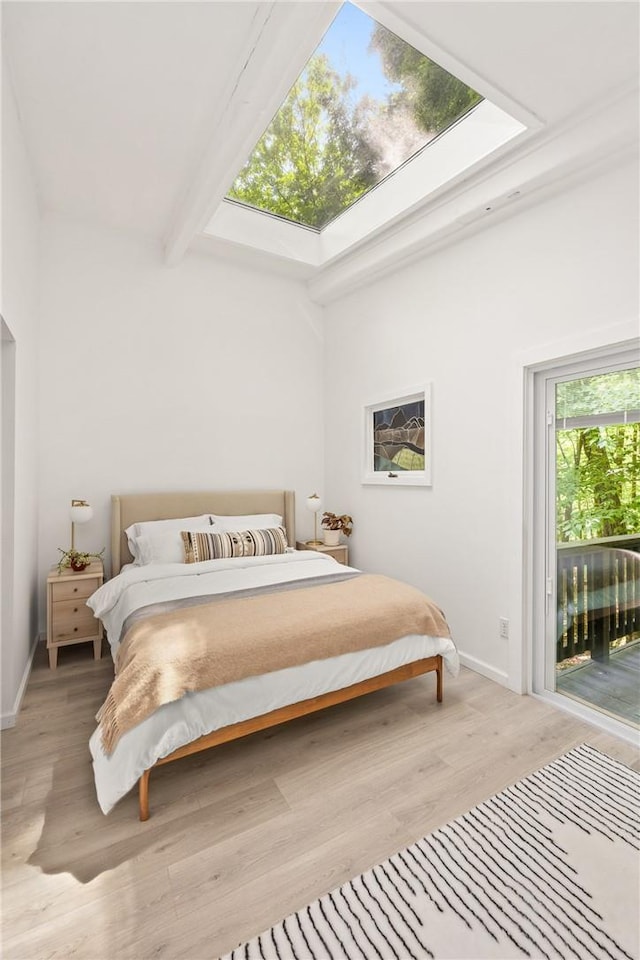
132, 508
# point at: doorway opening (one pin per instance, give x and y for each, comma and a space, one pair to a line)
7, 485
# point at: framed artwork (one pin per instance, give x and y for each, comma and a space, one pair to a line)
397, 440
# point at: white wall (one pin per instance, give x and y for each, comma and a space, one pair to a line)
203, 376
550, 278
19, 307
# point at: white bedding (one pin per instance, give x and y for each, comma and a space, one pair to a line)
196, 714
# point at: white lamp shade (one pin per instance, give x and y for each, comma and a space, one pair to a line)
81, 512
314, 503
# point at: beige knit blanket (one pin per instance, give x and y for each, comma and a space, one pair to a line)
169, 654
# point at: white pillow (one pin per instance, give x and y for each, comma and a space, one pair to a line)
154, 528
248, 521
163, 547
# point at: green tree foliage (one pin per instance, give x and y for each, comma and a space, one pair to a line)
436, 97
313, 161
324, 149
598, 467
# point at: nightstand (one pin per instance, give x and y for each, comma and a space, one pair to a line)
69, 619
339, 553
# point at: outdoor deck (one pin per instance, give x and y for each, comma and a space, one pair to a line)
613, 686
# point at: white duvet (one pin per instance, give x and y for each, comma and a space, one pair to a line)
196, 714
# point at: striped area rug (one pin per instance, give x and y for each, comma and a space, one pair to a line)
547, 868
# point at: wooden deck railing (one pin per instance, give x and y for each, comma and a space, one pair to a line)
598, 590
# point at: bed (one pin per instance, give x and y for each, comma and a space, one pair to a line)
233, 595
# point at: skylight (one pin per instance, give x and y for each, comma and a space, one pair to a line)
276, 208
365, 103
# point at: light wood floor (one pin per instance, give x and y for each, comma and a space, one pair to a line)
243, 835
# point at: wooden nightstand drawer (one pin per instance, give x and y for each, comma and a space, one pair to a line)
72, 618
74, 589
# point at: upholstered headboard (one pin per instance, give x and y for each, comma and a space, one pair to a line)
136, 507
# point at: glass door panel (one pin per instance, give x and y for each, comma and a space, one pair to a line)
596, 451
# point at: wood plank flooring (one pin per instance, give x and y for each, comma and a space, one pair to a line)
250, 831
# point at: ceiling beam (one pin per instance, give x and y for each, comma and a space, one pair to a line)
541, 166
282, 38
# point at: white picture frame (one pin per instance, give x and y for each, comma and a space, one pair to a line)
397, 439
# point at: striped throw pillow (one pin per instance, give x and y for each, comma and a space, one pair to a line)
199, 546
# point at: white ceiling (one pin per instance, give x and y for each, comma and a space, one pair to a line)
117, 99
138, 114
554, 58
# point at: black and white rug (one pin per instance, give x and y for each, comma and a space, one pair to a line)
547, 868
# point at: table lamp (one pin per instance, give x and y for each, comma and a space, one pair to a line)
314, 503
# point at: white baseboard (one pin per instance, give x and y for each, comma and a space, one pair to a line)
485, 669
9, 719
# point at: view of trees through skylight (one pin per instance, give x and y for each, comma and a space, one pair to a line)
365, 103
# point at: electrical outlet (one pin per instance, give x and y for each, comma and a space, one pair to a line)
504, 628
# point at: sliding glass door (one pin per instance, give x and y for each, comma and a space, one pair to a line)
592, 650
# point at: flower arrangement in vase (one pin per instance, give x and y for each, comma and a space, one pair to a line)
333, 525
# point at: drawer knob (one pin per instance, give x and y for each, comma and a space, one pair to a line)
75, 589
75, 629
75, 609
